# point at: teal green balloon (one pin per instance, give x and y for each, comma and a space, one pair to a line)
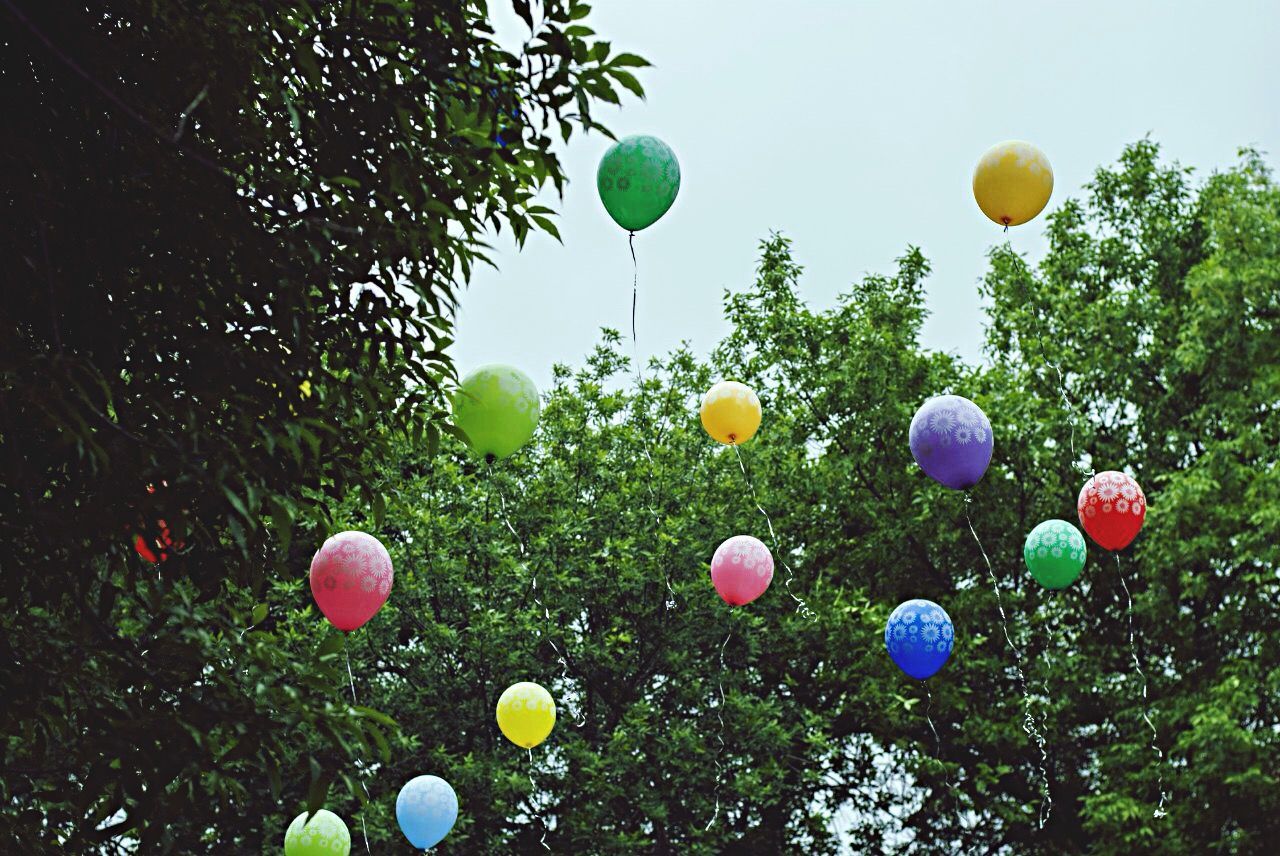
324, 834
638, 180
1054, 553
497, 408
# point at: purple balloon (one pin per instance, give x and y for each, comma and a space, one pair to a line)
951, 441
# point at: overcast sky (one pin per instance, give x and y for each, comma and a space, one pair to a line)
853, 128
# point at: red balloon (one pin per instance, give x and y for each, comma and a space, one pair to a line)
1111, 508
351, 578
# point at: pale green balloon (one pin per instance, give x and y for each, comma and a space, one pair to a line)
497, 408
638, 180
323, 835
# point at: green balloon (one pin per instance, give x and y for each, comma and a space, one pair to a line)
1054, 553
497, 408
638, 180
323, 835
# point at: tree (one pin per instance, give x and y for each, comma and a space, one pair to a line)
1145, 340
235, 232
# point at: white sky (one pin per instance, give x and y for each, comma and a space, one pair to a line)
853, 128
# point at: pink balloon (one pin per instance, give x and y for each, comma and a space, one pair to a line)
741, 569
351, 578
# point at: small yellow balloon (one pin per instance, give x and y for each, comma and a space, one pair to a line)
526, 714
731, 412
1013, 182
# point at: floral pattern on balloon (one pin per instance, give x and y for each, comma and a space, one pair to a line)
1056, 539
741, 569
526, 713
730, 412
1112, 508
324, 833
638, 180
951, 440
1055, 553
919, 637
426, 810
351, 577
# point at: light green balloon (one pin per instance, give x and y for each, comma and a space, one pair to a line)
1054, 553
323, 835
638, 180
497, 408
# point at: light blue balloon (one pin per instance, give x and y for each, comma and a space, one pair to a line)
426, 810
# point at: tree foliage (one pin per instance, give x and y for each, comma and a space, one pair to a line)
234, 233
1145, 340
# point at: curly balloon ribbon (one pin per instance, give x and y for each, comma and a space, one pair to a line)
1137, 667
1028, 718
1076, 463
545, 633
801, 606
360, 766
937, 742
1090, 473
1066, 400
720, 736
533, 789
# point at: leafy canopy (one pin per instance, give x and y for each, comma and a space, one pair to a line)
1145, 340
234, 233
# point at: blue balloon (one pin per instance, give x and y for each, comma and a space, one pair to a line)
426, 810
919, 638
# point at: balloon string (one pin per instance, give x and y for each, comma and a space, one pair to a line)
1076, 464
1137, 666
1028, 718
720, 736
635, 282
801, 606
351, 679
545, 633
937, 742
533, 790
670, 600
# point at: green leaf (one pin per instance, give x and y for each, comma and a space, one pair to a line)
628, 59
628, 80
332, 644
547, 226
318, 790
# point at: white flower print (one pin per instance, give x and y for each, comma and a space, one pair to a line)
942, 421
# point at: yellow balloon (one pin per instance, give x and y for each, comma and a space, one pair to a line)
1013, 182
526, 714
731, 412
